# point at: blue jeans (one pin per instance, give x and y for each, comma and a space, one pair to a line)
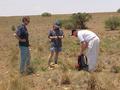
25, 58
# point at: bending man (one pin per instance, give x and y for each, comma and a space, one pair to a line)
90, 41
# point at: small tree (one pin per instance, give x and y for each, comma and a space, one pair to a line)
118, 10
46, 14
80, 19
68, 24
112, 23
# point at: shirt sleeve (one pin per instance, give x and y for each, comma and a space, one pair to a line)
49, 33
18, 33
81, 38
61, 33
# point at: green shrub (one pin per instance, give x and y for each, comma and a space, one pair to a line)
116, 69
68, 25
112, 23
13, 28
80, 20
77, 21
118, 10
46, 14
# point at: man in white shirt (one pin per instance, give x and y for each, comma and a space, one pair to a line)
90, 41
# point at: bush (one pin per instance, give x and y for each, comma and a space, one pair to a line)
69, 25
80, 19
46, 14
77, 21
118, 10
112, 23
13, 28
116, 69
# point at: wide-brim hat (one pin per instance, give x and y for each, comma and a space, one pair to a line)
57, 23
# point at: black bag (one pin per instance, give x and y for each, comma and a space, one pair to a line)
82, 63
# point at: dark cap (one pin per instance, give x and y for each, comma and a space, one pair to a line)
73, 32
57, 23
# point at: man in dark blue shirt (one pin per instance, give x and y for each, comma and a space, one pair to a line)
55, 35
22, 36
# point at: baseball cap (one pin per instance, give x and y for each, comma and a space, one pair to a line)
57, 23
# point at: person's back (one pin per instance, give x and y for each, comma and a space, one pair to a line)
23, 34
86, 35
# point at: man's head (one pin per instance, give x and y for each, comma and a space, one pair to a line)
57, 24
26, 20
74, 33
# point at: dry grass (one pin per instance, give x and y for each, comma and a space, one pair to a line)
65, 77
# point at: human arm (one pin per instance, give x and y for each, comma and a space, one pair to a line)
21, 40
52, 37
83, 47
17, 34
84, 44
61, 36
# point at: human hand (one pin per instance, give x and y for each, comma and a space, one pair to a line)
60, 37
55, 37
23, 40
80, 54
14, 34
30, 48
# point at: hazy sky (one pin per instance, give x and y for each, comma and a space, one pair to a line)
36, 7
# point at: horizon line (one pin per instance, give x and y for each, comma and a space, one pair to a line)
55, 14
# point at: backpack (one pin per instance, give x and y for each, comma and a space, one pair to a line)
82, 63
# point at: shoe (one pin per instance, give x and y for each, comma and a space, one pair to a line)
50, 68
30, 70
56, 65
